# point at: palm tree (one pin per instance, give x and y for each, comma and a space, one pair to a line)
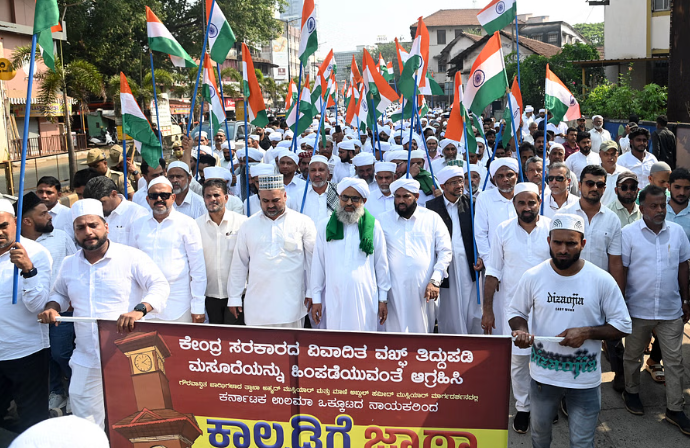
79, 79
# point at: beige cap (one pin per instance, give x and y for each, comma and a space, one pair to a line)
93, 156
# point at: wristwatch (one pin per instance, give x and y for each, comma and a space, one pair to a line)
436, 283
141, 307
31, 273
135, 172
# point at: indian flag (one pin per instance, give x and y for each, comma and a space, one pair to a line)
305, 109
161, 40
383, 94
211, 94
291, 95
382, 65
559, 101
362, 111
488, 81
417, 64
514, 104
308, 42
135, 124
497, 15
45, 45
220, 36
459, 119
388, 74
403, 55
355, 75
256, 109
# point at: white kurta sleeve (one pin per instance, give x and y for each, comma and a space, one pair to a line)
197, 268
444, 250
151, 280
318, 266
494, 265
239, 268
308, 241
36, 290
59, 293
383, 278
481, 227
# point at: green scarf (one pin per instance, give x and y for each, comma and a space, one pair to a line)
335, 231
426, 183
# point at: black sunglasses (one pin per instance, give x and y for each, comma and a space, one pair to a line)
556, 178
164, 196
591, 183
626, 187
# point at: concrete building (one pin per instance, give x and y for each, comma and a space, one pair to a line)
284, 52
343, 60
637, 32
555, 33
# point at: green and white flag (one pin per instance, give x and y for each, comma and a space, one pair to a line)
161, 40
306, 114
211, 94
221, 38
497, 15
46, 16
135, 125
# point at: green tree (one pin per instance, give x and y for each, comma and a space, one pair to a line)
620, 100
592, 32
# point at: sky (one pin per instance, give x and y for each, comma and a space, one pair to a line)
346, 24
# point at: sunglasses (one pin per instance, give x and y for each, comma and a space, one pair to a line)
556, 178
164, 196
626, 187
599, 185
354, 199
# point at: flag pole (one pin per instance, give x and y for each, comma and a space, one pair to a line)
201, 128
124, 164
546, 140
313, 152
493, 154
246, 155
409, 147
474, 243
426, 148
155, 101
25, 141
376, 127
227, 130
198, 73
294, 137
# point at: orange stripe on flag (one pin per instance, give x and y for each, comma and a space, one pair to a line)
553, 78
492, 46
456, 125
124, 85
255, 100
515, 90
307, 9
150, 16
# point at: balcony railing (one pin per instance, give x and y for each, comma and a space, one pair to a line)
45, 146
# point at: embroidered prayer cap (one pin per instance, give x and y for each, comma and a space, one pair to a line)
358, 184
659, 167
275, 137
87, 207
503, 161
319, 159
261, 169
449, 172
553, 145
159, 180
566, 221
380, 167
216, 172
363, 159
291, 155
410, 185
526, 186
6, 206
271, 182
445, 142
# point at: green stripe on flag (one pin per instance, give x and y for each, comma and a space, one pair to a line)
46, 15
45, 40
141, 131
501, 21
312, 46
171, 47
556, 107
223, 44
492, 89
406, 85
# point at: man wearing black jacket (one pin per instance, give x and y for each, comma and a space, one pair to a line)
459, 312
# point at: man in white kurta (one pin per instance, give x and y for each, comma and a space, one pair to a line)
349, 276
419, 252
174, 243
381, 198
322, 196
519, 244
273, 258
103, 280
495, 205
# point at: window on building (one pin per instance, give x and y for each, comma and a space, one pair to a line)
441, 66
538, 37
661, 5
458, 31
553, 38
441, 37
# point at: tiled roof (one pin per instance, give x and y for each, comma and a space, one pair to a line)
452, 17
536, 46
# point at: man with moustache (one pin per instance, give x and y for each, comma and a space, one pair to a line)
608, 153
349, 277
475, 174
419, 252
104, 280
186, 202
322, 195
638, 159
518, 245
381, 199
585, 156
624, 206
677, 210
278, 241
343, 164
559, 195
364, 167
173, 242
149, 174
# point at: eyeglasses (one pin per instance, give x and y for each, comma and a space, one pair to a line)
556, 178
164, 196
626, 187
599, 185
354, 199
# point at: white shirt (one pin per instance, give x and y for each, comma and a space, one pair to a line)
641, 169
292, 202
419, 250
490, 210
59, 245
139, 198
603, 235
113, 285
578, 161
176, 248
378, 204
192, 205
589, 298
347, 281
20, 333
598, 137
120, 220
219, 244
273, 258
609, 195
550, 206
62, 218
234, 204
342, 170
316, 205
652, 260
296, 188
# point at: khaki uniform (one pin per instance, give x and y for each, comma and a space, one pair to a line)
119, 179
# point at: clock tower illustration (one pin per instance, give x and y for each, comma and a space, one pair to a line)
155, 424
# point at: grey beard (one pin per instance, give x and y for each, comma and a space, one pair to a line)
180, 190
384, 190
349, 217
506, 190
160, 212
319, 184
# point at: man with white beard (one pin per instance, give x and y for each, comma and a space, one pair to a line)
419, 252
322, 195
186, 202
349, 275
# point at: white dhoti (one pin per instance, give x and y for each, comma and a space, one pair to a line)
86, 394
458, 310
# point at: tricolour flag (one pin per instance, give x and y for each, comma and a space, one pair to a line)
135, 124
355, 76
403, 55
497, 15
211, 94
256, 109
220, 36
351, 109
305, 111
321, 81
488, 81
459, 119
559, 101
46, 16
362, 111
291, 95
416, 66
308, 42
374, 84
389, 74
161, 40
514, 102
382, 64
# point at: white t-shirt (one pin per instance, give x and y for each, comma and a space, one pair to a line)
589, 298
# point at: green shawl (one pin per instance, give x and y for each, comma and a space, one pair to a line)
426, 183
335, 231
